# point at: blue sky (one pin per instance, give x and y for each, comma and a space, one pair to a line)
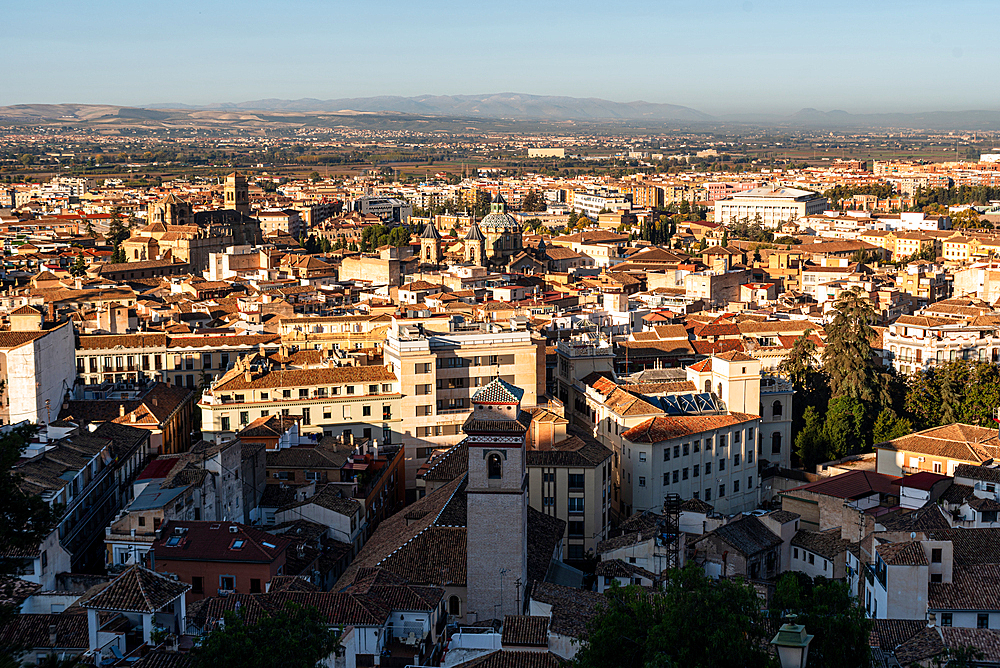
719, 56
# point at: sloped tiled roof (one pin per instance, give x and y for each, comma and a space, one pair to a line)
748, 535
507, 658
138, 589
498, 391
668, 427
852, 485
908, 553
525, 630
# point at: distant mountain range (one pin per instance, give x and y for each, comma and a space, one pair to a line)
500, 110
514, 106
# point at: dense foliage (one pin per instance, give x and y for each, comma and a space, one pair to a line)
696, 622
295, 637
827, 610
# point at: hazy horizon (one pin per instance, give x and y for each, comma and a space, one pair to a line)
720, 57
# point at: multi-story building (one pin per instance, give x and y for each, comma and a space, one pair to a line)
569, 478
189, 360
33, 367
919, 342
349, 401
440, 370
705, 412
219, 558
89, 475
166, 411
388, 209
281, 221
593, 202
925, 282
771, 206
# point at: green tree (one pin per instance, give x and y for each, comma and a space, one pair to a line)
966, 219
845, 427
847, 358
696, 622
888, 426
117, 231
829, 612
314, 177
118, 256
79, 267
294, 637
811, 444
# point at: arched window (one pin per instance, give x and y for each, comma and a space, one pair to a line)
494, 466
708, 385
454, 606
776, 443
776, 408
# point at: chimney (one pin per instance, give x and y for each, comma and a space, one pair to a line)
246, 376
121, 410
52, 311
52, 635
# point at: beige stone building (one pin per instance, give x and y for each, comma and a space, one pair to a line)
441, 364
358, 401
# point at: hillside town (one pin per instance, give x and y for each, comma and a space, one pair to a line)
431, 410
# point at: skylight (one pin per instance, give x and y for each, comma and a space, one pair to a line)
173, 541
237, 544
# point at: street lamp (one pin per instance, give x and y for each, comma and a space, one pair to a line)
792, 644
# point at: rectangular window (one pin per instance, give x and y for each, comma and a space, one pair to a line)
750, 483
642, 456
197, 585
983, 620
722, 464
684, 449
945, 619
576, 529
666, 478
677, 451
695, 470
736, 459
684, 474
666, 454
697, 446
642, 481
255, 585
224, 361
750, 456
795, 553
244, 417
366, 411
708, 443
708, 468
722, 440
305, 416
350, 389
373, 389
722, 490
227, 582
736, 487
676, 476
224, 423
386, 412
575, 481
286, 394
549, 501
708, 495
303, 393
936, 555
386, 388
206, 360
575, 505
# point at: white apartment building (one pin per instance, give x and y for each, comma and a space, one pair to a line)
917, 342
592, 202
774, 206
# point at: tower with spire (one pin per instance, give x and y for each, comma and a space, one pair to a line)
430, 245
475, 246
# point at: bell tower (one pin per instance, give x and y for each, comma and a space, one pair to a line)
475, 246
497, 502
237, 193
430, 245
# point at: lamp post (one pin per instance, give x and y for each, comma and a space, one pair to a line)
792, 644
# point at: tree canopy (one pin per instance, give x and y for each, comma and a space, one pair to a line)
294, 637
696, 622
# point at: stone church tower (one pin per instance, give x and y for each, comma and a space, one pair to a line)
237, 193
475, 246
430, 245
497, 502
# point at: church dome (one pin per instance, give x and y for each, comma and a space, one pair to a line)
498, 220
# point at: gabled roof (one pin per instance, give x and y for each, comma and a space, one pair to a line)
138, 589
217, 541
747, 535
657, 429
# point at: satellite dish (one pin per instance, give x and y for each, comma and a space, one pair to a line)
913, 535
